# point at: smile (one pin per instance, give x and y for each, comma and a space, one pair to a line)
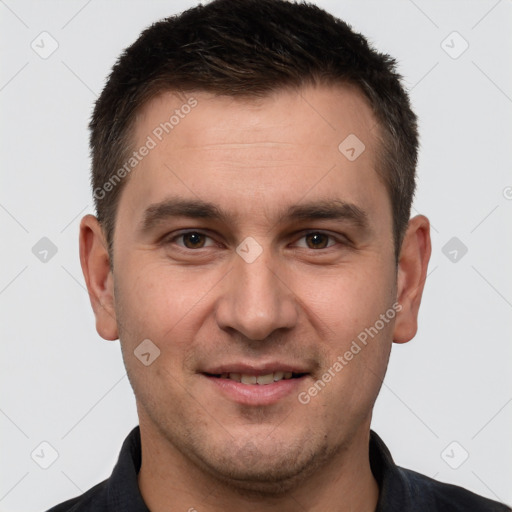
262, 380
255, 387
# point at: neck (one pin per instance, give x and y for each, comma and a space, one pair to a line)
167, 479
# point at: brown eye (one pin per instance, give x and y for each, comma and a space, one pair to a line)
190, 240
317, 240
193, 240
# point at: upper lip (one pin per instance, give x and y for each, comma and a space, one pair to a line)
255, 368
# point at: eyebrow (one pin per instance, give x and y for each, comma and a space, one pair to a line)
198, 209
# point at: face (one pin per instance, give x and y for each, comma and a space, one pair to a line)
255, 255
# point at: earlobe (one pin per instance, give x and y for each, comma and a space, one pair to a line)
95, 262
412, 271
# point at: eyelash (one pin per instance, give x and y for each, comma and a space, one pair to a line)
304, 234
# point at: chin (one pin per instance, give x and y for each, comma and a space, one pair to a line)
264, 469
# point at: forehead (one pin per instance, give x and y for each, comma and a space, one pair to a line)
250, 155
195, 118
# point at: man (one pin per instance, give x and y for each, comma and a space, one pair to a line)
253, 172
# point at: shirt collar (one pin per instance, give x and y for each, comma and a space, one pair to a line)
123, 488
394, 487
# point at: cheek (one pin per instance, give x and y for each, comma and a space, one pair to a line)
346, 301
160, 302
165, 307
357, 317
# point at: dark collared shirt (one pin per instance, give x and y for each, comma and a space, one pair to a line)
401, 490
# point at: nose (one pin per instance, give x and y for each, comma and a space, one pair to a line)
255, 301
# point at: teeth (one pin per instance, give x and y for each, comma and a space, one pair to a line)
269, 378
249, 379
278, 376
265, 379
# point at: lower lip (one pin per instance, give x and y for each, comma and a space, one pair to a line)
256, 394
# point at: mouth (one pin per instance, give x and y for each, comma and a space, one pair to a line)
257, 379
247, 385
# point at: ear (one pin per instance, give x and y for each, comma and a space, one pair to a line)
95, 263
412, 272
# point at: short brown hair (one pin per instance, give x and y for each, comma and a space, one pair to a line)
249, 48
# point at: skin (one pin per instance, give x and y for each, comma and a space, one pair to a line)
204, 305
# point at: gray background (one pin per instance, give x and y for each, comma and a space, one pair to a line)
63, 385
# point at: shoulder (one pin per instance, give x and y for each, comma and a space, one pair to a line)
403, 489
92, 500
448, 497
118, 492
